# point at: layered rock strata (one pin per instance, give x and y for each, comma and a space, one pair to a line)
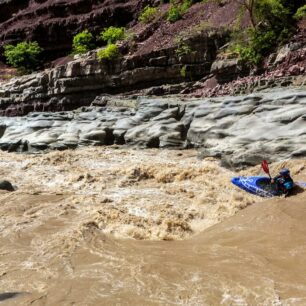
240, 130
77, 83
54, 23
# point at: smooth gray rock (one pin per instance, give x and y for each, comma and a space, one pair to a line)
239, 130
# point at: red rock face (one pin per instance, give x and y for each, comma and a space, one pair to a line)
53, 23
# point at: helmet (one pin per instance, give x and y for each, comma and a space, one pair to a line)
284, 171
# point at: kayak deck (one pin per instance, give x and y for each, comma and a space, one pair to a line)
258, 185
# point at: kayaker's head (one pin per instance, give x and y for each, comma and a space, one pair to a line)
284, 172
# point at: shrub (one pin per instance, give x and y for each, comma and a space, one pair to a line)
109, 53
173, 14
148, 14
112, 34
83, 42
184, 7
300, 13
182, 49
247, 54
24, 56
255, 45
183, 71
176, 11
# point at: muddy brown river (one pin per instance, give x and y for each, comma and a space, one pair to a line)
116, 226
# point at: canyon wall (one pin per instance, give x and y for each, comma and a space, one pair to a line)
78, 82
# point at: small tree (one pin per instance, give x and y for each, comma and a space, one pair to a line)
83, 42
249, 6
270, 12
24, 56
112, 34
271, 23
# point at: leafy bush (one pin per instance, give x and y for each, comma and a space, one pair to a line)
184, 7
176, 11
148, 14
247, 54
24, 56
109, 53
83, 42
300, 13
112, 34
254, 44
173, 14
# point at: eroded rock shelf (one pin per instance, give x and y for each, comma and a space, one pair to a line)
240, 130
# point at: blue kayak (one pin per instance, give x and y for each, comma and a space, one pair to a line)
258, 185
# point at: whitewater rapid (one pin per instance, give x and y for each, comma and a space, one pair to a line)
116, 226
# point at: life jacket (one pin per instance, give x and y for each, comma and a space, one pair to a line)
288, 185
284, 182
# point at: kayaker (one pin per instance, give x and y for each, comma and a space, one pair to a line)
283, 181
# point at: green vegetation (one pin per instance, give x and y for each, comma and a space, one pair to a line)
184, 7
24, 56
186, 73
183, 71
83, 42
109, 53
148, 14
176, 10
112, 34
272, 22
173, 14
182, 49
300, 13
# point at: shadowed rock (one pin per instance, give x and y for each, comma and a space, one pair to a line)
8, 295
6, 185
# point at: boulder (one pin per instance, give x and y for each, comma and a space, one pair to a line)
6, 185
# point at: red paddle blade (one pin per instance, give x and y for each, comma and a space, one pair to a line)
265, 166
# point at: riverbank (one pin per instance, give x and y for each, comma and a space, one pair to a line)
239, 130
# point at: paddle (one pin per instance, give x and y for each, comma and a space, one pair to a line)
265, 167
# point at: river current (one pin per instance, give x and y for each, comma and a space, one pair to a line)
117, 226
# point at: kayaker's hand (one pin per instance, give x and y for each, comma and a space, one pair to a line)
272, 181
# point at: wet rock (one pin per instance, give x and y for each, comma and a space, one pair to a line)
240, 130
6, 185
